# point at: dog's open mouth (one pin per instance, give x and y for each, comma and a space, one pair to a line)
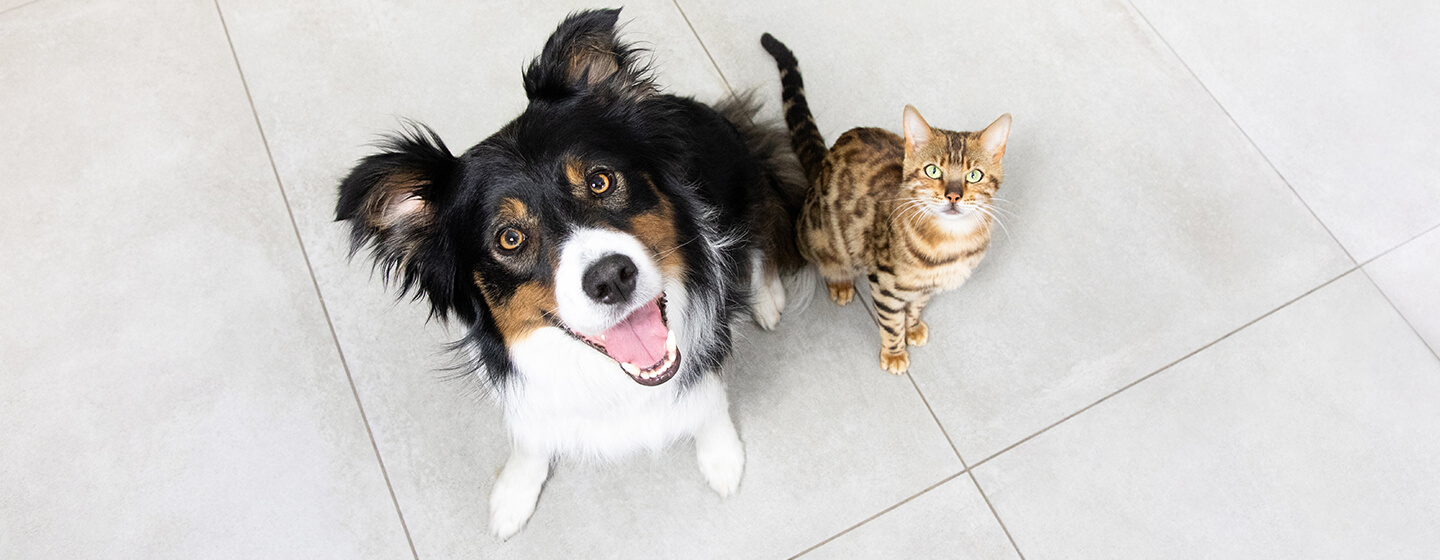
642, 344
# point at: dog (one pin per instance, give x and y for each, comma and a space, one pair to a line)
596, 249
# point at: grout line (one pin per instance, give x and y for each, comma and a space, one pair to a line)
13, 8
702, 46
315, 282
937, 420
971, 472
1166, 366
962, 464
1400, 244
1401, 313
873, 517
1262, 153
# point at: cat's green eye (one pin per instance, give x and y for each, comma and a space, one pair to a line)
932, 171
974, 175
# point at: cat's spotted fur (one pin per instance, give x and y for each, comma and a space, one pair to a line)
910, 213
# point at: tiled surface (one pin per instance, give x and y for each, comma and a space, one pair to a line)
1307, 435
171, 387
1127, 251
1340, 96
168, 386
951, 521
1410, 276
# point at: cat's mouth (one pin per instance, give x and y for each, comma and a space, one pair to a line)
953, 211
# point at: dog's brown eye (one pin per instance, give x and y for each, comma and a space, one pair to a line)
600, 182
511, 238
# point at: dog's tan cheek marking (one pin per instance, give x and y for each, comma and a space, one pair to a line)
656, 229
522, 313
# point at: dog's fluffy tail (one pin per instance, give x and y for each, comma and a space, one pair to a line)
774, 215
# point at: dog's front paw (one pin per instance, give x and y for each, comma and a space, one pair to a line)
768, 298
722, 462
769, 301
510, 508
896, 364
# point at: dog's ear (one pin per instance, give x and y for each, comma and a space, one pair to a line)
393, 202
583, 55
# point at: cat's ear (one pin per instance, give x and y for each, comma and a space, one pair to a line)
992, 139
917, 131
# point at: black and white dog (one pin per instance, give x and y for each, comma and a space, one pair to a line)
596, 248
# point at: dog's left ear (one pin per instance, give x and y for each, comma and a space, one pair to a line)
583, 55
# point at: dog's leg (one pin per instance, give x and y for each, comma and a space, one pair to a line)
512, 500
717, 446
767, 297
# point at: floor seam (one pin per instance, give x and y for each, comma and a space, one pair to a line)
723, 79
877, 515
1400, 313
956, 449
314, 281
1235, 122
1166, 366
13, 8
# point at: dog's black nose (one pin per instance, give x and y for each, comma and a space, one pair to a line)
610, 280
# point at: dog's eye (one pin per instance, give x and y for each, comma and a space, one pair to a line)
510, 239
932, 171
974, 175
600, 182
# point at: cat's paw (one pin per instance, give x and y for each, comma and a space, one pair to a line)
918, 334
896, 364
841, 294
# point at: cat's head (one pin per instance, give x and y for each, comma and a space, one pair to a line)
953, 175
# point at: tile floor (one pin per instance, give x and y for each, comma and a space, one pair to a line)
1209, 331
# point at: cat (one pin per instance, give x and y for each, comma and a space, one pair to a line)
912, 213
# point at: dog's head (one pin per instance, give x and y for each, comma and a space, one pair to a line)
565, 218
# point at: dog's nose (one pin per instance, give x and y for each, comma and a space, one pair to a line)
610, 280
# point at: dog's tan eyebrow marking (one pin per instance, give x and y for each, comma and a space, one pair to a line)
575, 171
513, 210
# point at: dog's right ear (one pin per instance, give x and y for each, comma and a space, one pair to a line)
392, 201
584, 55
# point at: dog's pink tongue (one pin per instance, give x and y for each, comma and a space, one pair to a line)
639, 339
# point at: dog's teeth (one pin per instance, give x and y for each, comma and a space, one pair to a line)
630, 368
670, 342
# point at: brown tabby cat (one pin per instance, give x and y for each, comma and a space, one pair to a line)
912, 213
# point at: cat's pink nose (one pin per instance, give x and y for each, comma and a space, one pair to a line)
953, 197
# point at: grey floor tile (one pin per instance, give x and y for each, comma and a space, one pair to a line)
1410, 277
168, 386
1339, 95
1130, 247
951, 521
7, 5
1307, 435
326, 79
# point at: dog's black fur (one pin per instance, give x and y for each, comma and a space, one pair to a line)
429, 215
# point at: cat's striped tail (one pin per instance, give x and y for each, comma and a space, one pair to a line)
804, 135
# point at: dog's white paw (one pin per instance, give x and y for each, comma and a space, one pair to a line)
722, 461
510, 508
516, 490
769, 295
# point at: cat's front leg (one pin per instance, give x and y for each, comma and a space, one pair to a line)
917, 333
891, 311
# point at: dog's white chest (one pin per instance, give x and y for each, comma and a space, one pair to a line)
573, 400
